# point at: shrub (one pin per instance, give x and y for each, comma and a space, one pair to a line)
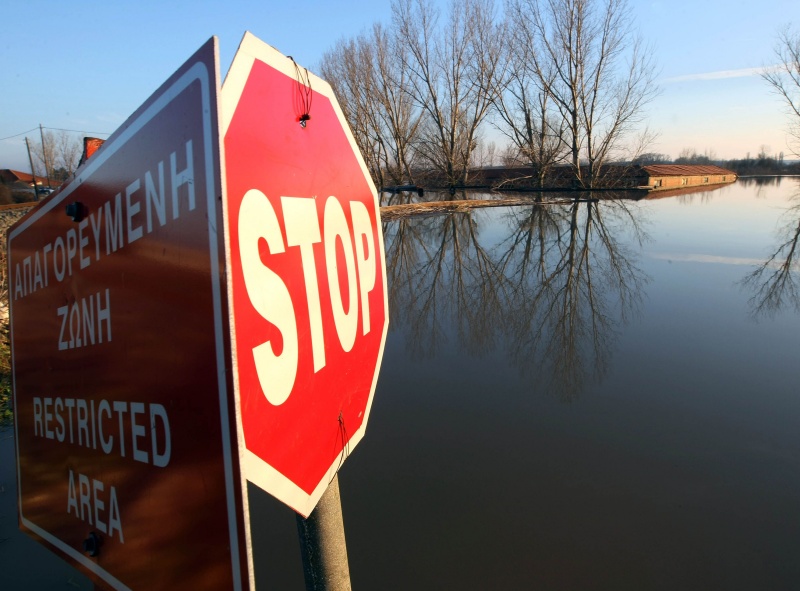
5, 195
6, 414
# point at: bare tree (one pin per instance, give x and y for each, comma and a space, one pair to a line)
454, 72
367, 76
444, 278
569, 79
776, 283
785, 79
348, 69
599, 74
58, 155
484, 154
527, 116
400, 118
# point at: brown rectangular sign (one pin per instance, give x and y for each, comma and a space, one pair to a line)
126, 446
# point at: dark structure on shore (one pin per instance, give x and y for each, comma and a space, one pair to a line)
655, 177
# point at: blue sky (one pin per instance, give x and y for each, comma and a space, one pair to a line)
88, 65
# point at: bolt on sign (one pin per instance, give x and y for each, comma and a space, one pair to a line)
175, 335
307, 279
125, 431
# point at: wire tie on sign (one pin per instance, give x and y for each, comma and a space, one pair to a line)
345, 444
304, 93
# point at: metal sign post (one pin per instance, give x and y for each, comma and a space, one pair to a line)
322, 544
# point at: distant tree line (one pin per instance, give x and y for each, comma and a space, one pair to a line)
762, 163
564, 81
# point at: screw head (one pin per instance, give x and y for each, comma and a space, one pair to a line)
75, 211
91, 545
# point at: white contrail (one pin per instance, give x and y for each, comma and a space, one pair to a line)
721, 75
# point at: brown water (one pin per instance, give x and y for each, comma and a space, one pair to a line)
587, 396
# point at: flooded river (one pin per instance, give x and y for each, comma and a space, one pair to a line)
592, 396
596, 395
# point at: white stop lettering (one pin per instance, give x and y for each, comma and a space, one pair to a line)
270, 296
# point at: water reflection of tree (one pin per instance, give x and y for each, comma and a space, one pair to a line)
418, 196
760, 181
574, 283
439, 272
704, 197
776, 283
555, 291
399, 197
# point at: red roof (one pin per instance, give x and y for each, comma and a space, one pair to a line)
12, 176
685, 170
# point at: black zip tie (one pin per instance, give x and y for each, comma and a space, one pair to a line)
345, 445
304, 93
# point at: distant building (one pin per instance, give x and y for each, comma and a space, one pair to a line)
22, 182
662, 177
9, 177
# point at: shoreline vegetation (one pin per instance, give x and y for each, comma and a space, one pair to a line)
8, 215
6, 411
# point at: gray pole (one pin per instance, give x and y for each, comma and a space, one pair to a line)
322, 544
33, 172
44, 157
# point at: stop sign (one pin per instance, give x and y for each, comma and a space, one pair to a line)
307, 280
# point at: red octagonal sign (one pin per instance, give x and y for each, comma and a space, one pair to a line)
307, 281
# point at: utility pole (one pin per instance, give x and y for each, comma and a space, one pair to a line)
33, 172
44, 157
